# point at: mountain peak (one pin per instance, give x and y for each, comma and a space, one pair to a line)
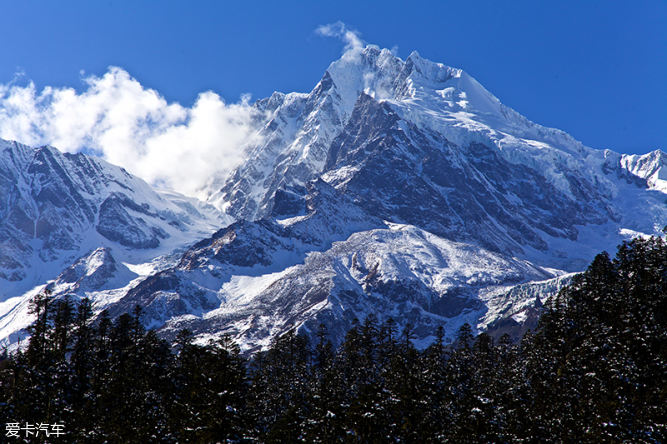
384, 76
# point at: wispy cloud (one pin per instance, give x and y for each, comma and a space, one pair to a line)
339, 30
132, 126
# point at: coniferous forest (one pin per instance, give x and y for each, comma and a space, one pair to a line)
593, 371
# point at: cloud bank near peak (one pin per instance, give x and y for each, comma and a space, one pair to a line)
120, 120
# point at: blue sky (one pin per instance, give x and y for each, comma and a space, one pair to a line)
596, 69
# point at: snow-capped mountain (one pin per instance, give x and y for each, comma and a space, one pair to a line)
59, 207
395, 187
462, 164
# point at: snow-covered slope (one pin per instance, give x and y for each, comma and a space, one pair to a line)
399, 271
57, 207
333, 264
651, 167
399, 188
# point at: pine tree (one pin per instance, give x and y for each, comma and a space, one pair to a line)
320, 426
280, 391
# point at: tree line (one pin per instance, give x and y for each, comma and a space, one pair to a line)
593, 371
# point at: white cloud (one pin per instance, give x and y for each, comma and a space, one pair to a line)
339, 30
132, 126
